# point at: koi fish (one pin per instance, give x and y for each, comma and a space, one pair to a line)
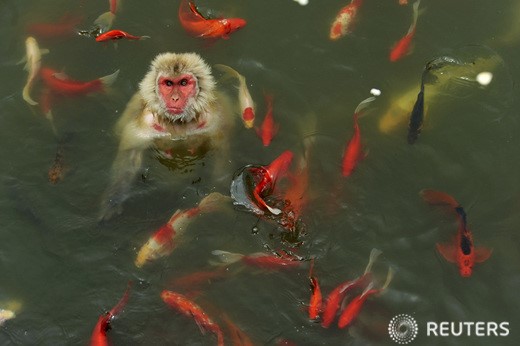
64, 28
316, 296
57, 170
99, 334
353, 151
342, 24
33, 55
61, 83
402, 47
199, 278
245, 100
336, 296
113, 6
461, 251
257, 259
161, 243
190, 309
6, 315
296, 194
403, 2
196, 24
352, 310
237, 336
118, 35
268, 128
269, 176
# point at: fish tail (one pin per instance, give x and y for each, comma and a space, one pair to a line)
27, 97
109, 80
228, 70
363, 104
416, 14
389, 277
144, 37
374, 254
438, 197
213, 201
104, 21
226, 257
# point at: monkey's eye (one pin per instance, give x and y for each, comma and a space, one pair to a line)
183, 82
168, 83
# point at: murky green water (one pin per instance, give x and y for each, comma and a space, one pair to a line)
65, 270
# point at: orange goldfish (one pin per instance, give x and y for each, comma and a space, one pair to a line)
352, 310
197, 25
269, 128
353, 151
402, 47
99, 334
461, 251
190, 309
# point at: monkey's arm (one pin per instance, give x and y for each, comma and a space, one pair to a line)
137, 132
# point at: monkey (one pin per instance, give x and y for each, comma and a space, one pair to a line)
176, 107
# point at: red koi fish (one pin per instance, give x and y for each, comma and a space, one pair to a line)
461, 251
268, 129
113, 6
402, 47
60, 83
237, 336
316, 296
296, 194
336, 296
99, 334
353, 151
199, 278
118, 35
342, 24
66, 27
270, 175
196, 24
161, 243
190, 309
403, 2
352, 310
257, 259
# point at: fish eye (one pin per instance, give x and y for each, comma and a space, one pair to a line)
183, 82
168, 82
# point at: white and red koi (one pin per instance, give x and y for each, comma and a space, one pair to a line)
190, 309
161, 243
402, 47
344, 20
245, 101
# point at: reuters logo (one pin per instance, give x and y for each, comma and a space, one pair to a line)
403, 329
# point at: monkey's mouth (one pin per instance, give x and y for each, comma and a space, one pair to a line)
174, 110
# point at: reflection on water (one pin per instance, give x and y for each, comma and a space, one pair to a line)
60, 269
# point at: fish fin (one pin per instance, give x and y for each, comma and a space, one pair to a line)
482, 254
438, 197
27, 98
258, 131
226, 257
60, 76
23, 60
448, 251
109, 80
144, 37
44, 51
104, 21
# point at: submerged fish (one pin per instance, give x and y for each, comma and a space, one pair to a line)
33, 55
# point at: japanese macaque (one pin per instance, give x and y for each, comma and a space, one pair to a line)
175, 109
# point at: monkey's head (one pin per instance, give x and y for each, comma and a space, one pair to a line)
178, 86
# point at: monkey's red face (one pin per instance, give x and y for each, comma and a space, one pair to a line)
177, 92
